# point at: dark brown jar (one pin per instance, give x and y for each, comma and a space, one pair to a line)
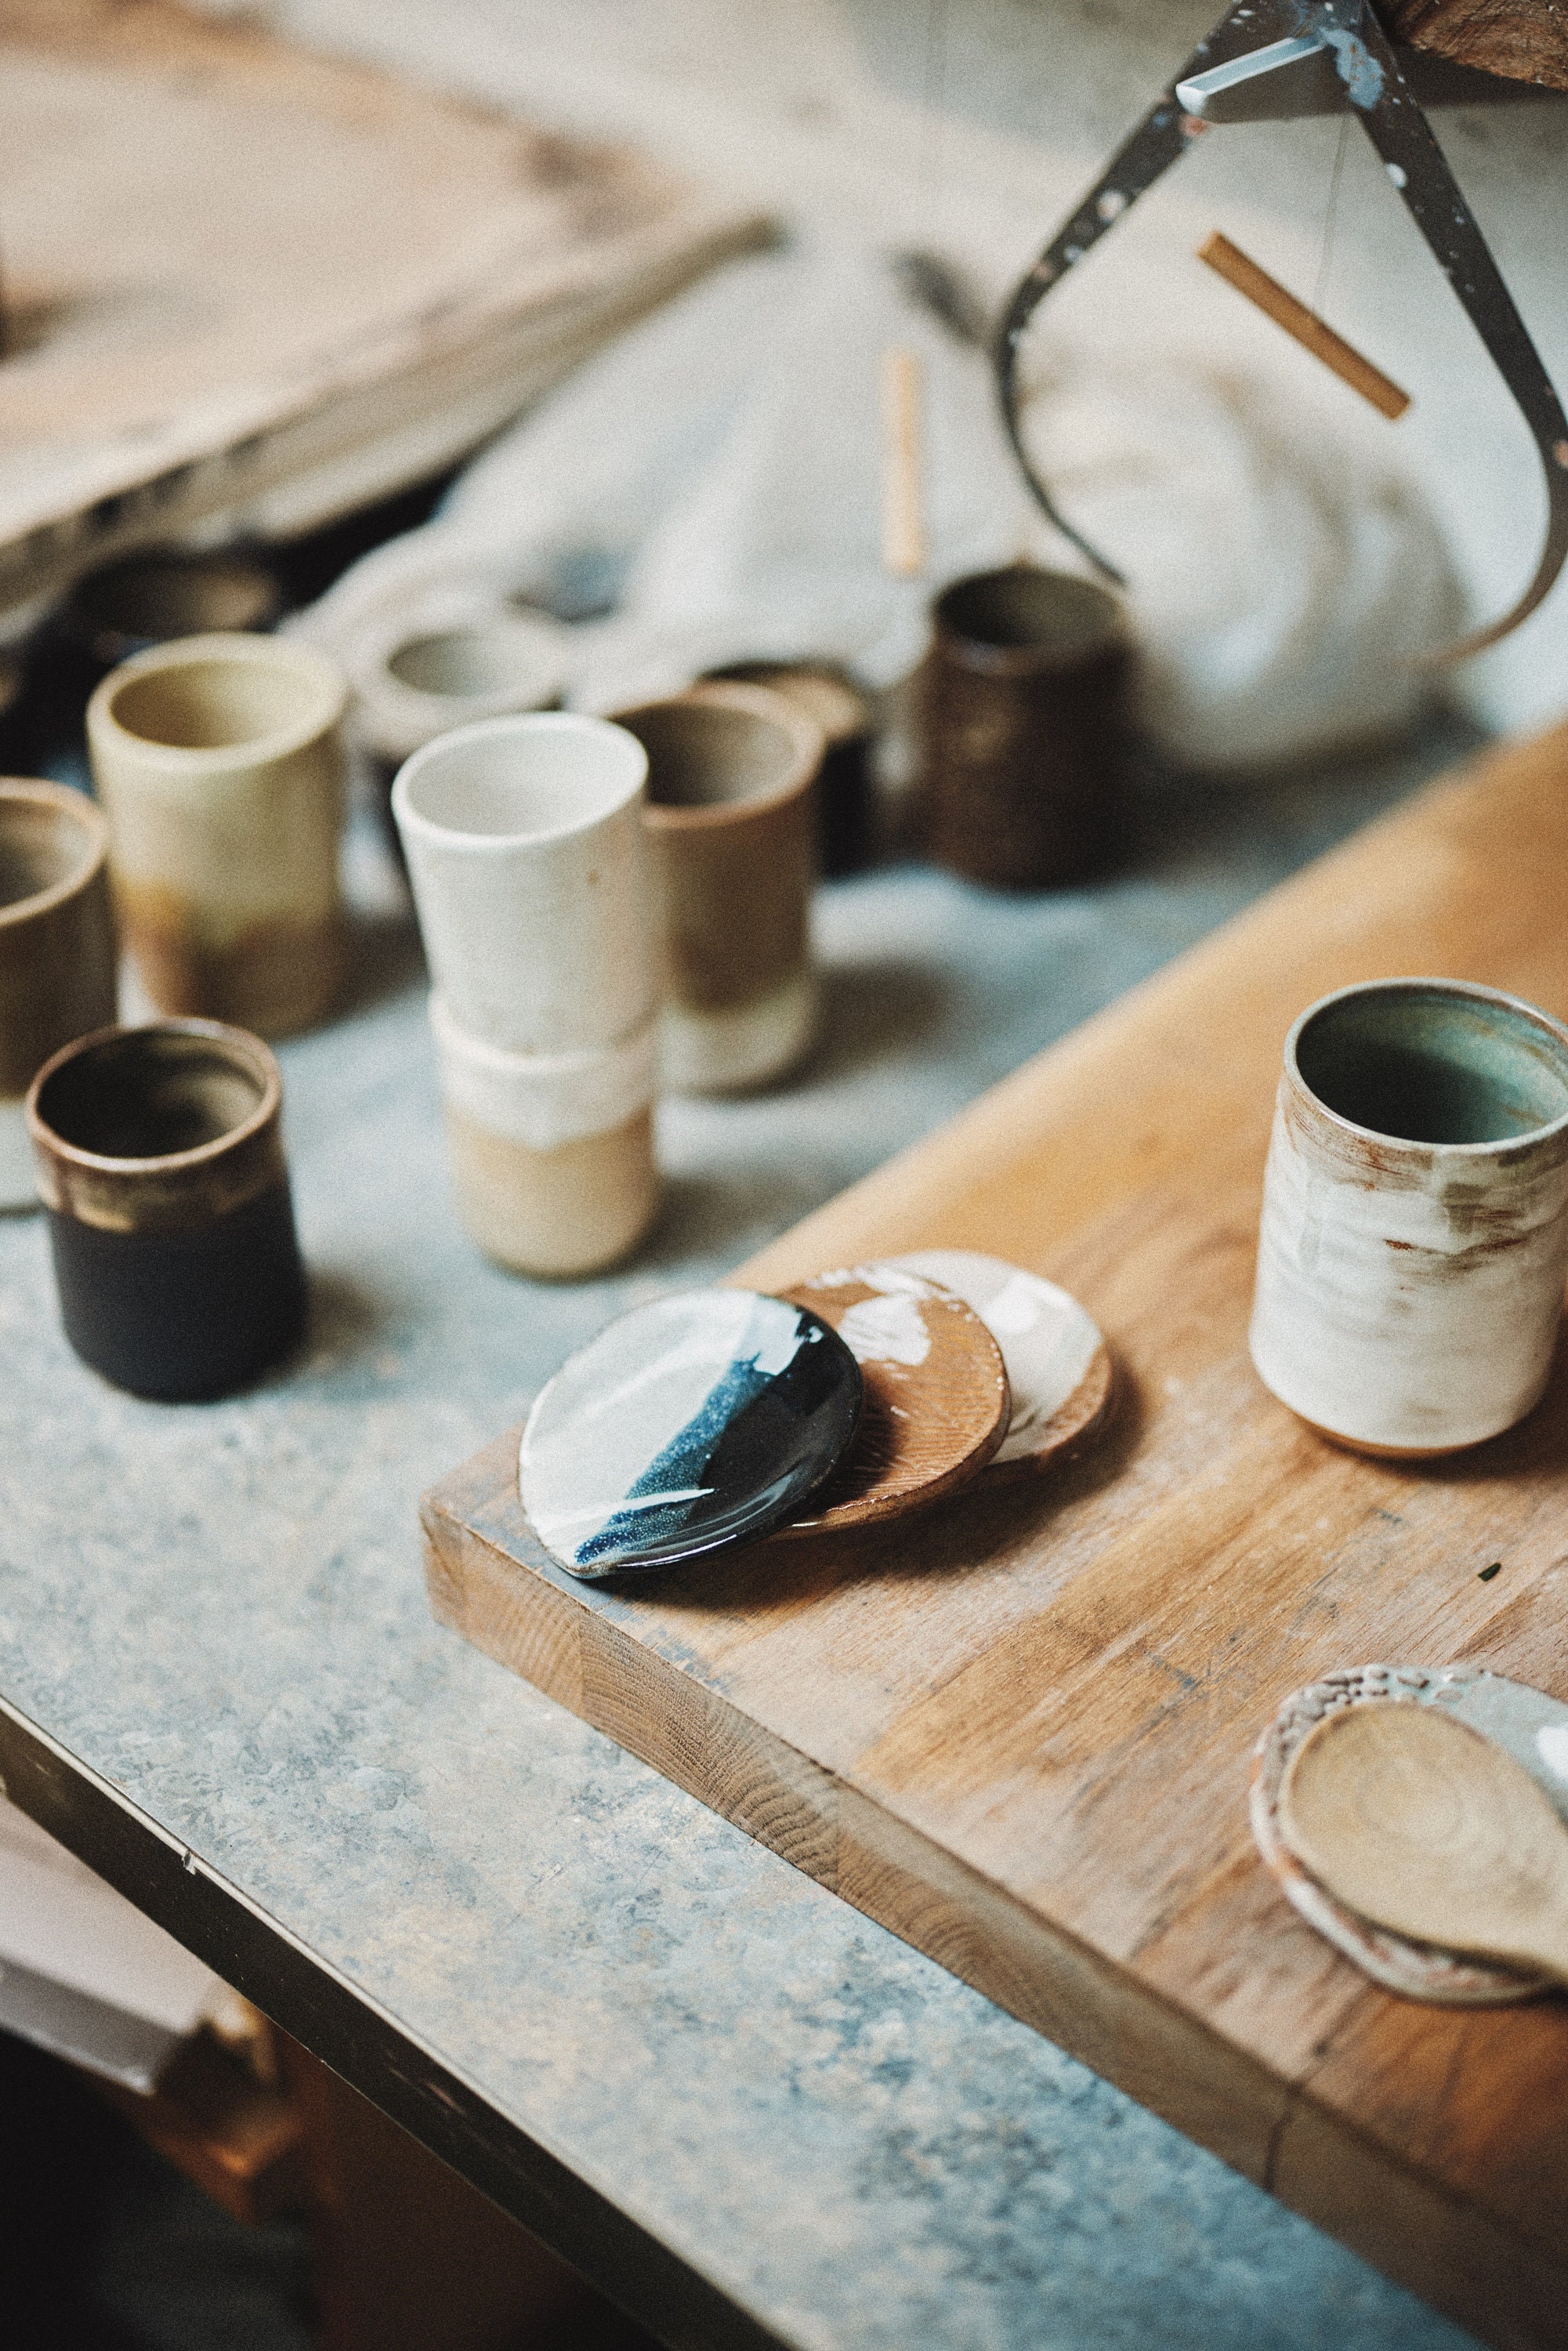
160, 1159
1022, 728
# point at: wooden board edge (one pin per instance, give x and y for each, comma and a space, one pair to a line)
1453, 2255
899, 1204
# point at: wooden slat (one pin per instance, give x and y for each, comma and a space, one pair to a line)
1017, 1729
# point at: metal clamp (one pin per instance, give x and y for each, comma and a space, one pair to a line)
1280, 60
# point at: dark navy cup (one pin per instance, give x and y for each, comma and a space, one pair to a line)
160, 1159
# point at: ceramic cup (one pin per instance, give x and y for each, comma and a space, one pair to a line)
163, 593
552, 1154
829, 695
732, 826
1415, 1235
57, 950
159, 1159
526, 854
219, 761
1021, 729
412, 683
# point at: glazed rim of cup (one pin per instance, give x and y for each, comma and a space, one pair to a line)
1535, 1033
243, 1055
1024, 616
467, 790
170, 592
720, 705
203, 700
71, 808
470, 662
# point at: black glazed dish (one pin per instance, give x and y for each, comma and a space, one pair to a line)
699, 1422
170, 1222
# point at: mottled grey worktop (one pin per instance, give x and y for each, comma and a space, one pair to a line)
219, 1609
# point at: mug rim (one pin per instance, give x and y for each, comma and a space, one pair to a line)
291, 654
260, 1062
525, 722
1476, 991
397, 718
764, 702
1006, 659
78, 809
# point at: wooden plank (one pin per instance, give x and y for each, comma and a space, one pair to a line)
1525, 40
244, 280
1017, 1729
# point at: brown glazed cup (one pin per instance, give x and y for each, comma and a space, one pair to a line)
159, 1159
731, 820
56, 949
829, 695
1022, 728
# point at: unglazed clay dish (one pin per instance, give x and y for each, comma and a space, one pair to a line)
937, 1397
1059, 1366
696, 1422
1533, 1726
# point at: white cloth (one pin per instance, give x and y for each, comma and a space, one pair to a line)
722, 462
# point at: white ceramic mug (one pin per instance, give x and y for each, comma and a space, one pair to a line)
525, 855
219, 761
1415, 1236
552, 1154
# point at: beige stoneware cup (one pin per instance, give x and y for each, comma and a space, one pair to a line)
552, 1154
57, 950
732, 824
1414, 1244
412, 683
525, 854
219, 761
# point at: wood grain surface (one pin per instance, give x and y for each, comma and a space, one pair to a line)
1418, 1822
244, 280
932, 1414
1525, 40
1017, 1729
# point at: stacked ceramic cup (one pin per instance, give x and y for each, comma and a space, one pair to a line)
524, 838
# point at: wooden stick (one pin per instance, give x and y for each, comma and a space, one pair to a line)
1309, 329
902, 534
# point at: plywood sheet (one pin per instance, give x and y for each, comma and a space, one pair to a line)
242, 279
1017, 1731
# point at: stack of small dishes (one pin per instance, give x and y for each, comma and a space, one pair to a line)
714, 1417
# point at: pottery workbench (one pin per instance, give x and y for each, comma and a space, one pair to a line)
747, 2111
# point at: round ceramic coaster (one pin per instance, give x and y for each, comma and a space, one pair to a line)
1059, 1366
935, 1394
1419, 1970
696, 1422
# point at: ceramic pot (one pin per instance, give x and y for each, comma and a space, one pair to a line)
1415, 1233
165, 593
57, 950
1021, 728
552, 1154
731, 821
159, 1159
844, 799
411, 684
219, 761
525, 855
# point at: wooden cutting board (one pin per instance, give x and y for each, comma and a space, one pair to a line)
242, 280
1018, 1730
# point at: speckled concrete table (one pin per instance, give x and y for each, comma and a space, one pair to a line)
745, 2111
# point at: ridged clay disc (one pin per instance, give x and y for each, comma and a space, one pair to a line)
1419, 1971
1059, 1366
936, 1402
